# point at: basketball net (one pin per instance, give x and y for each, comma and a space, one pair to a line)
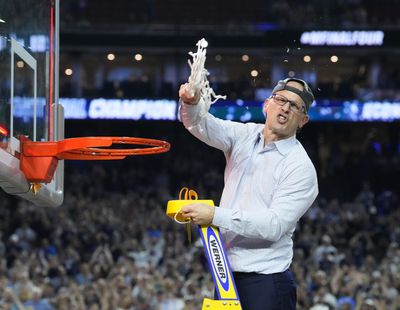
198, 81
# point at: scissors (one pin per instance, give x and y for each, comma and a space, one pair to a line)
187, 194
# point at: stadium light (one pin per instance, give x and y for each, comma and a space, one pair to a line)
334, 58
138, 57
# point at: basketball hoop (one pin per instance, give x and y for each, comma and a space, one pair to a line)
39, 160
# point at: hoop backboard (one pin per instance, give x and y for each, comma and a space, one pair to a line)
29, 49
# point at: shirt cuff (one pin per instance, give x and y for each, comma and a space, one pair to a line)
189, 114
222, 217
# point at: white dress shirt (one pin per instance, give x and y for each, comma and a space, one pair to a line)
267, 190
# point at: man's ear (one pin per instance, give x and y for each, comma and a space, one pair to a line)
265, 106
304, 121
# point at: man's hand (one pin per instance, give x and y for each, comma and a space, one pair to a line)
200, 213
187, 96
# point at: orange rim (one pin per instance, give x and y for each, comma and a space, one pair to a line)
96, 153
39, 160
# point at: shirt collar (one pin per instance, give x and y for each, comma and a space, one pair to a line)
283, 146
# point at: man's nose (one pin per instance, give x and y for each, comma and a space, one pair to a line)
286, 107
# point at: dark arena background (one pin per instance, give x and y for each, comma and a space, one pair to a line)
111, 246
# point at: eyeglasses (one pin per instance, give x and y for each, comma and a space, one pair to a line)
294, 107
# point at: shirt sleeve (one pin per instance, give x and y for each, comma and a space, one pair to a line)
215, 132
294, 195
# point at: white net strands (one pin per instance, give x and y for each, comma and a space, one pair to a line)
198, 78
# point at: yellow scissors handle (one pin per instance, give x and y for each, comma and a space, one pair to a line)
187, 194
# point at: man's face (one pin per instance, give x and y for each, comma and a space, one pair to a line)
282, 120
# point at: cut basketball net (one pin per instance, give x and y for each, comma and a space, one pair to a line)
39, 160
198, 81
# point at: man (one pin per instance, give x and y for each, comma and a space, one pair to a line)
270, 182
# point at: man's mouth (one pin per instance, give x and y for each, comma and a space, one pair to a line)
282, 119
